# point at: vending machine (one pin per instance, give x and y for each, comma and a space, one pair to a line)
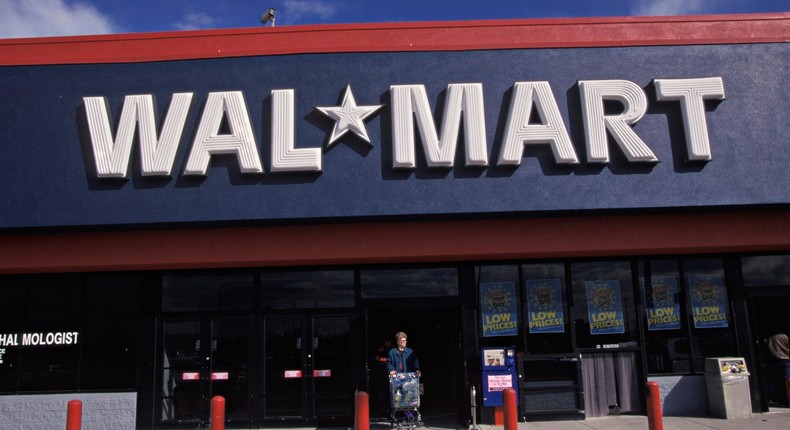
499, 372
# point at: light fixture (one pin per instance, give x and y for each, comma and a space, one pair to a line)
268, 16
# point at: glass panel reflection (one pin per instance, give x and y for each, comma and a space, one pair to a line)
205, 292
394, 283
181, 371
766, 270
307, 289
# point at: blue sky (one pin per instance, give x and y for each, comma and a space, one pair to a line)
33, 18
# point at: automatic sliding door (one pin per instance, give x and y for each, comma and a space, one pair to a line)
284, 383
182, 391
308, 368
229, 367
333, 389
204, 358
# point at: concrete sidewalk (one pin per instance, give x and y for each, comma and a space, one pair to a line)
775, 419
765, 421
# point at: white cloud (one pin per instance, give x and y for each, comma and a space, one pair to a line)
667, 7
26, 18
196, 21
305, 11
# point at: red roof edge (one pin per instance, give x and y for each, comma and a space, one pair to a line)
398, 37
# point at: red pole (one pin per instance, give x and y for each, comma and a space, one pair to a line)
217, 413
362, 411
74, 415
510, 412
654, 418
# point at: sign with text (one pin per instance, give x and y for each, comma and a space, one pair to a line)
288, 374
389, 134
190, 376
499, 382
708, 301
544, 305
499, 309
662, 304
605, 307
220, 376
35, 340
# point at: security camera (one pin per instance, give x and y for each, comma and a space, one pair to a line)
268, 16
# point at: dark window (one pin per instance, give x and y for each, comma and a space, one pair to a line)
109, 338
52, 306
712, 332
307, 289
687, 315
13, 292
69, 333
415, 282
666, 335
49, 369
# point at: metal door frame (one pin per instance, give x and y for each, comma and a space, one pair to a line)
205, 369
309, 415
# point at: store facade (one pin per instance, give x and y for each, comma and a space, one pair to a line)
251, 213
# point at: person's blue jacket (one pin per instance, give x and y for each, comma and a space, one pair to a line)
402, 362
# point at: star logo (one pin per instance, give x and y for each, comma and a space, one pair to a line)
349, 117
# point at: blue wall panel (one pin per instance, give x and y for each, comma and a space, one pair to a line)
48, 180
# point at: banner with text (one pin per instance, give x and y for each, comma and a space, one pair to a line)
662, 303
605, 307
708, 301
499, 309
544, 305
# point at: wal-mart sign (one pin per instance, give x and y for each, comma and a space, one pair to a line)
393, 135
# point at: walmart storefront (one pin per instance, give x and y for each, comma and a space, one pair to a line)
251, 213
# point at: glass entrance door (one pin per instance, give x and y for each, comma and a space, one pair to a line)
203, 358
307, 369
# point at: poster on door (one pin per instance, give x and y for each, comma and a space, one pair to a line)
544, 306
662, 303
605, 307
499, 309
708, 301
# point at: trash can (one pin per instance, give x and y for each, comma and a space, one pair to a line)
727, 379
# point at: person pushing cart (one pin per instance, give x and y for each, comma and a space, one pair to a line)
404, 375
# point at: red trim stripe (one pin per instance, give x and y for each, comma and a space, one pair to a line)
398, 37
397, 242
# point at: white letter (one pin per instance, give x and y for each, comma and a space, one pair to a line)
593, 94
209, 141
286, 158
410, 103
519, 132
156, 155
691, 93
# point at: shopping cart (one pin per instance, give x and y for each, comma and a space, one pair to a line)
405, 401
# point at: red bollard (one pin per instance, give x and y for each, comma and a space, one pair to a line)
361, 411
787, 389
217, 413
74, 415
510, 412
654, 419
